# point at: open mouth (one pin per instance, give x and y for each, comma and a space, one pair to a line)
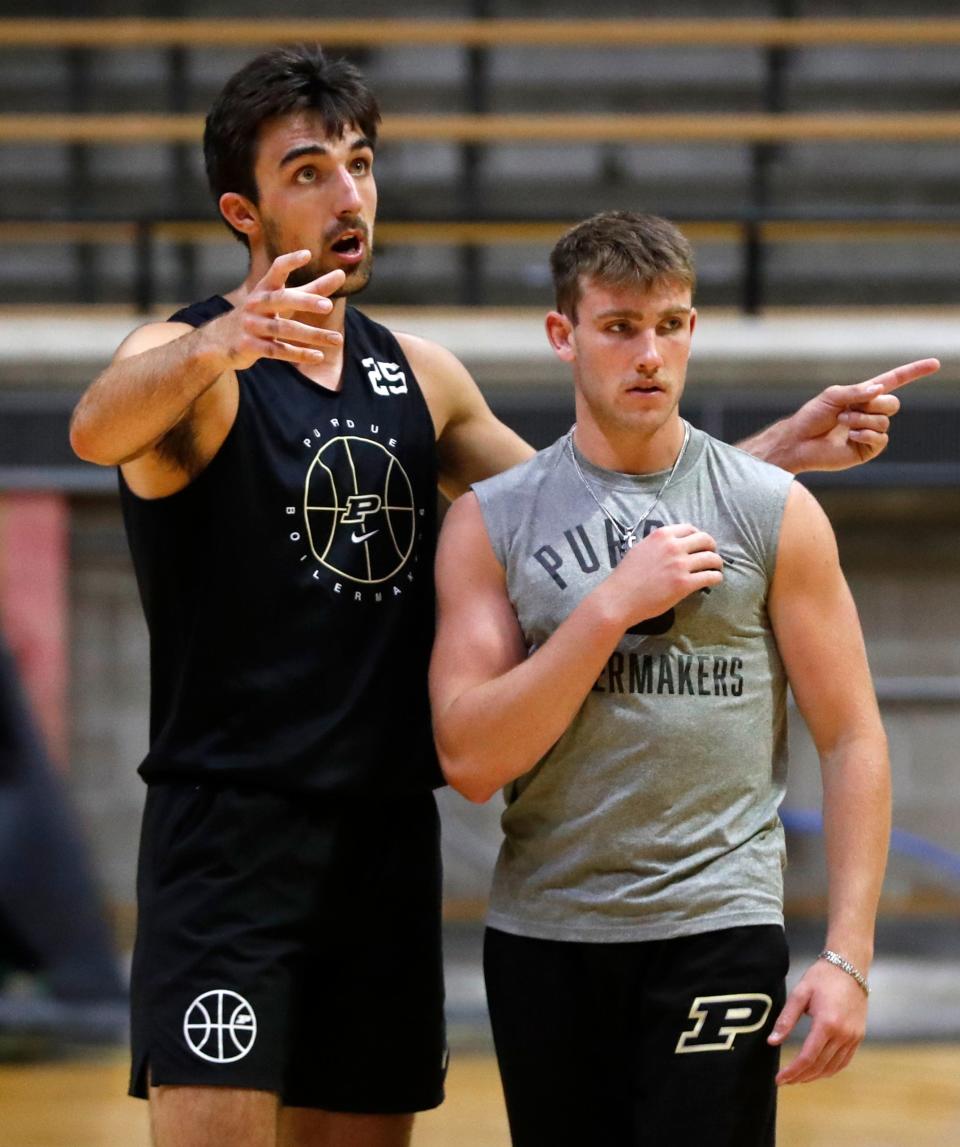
349, 247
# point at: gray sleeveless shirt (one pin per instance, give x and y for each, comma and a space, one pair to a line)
655, 814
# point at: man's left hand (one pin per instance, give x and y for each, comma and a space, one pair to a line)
843, 426
838, 1008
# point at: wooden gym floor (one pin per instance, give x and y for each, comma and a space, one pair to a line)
891, 1096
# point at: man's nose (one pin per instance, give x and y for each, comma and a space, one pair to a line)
648, 357
348, 195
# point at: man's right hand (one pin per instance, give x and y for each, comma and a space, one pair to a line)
261, 326
668, 565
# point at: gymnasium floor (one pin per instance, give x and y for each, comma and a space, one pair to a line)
902, 1090
891, 1096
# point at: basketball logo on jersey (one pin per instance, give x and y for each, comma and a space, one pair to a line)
360, 515
720, 1019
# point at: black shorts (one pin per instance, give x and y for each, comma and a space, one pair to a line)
655, 1044
290, 943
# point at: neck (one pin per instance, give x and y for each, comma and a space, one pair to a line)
630, 452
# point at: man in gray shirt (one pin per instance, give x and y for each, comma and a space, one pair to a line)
619, 619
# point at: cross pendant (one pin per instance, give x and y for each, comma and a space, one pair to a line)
628, 543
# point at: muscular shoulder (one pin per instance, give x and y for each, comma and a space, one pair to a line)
471, 442
806, 529
446, 383
465, 539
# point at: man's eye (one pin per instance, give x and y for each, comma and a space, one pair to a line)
306, 175
361, 166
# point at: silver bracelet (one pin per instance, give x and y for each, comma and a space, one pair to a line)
845, 966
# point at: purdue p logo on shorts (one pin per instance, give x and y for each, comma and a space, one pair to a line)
720, 1019
220, 1026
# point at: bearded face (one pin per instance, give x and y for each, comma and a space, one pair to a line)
345, 245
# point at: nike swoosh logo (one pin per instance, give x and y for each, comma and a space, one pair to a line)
363, 537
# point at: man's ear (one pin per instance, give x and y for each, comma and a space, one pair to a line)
240, 212
560, 333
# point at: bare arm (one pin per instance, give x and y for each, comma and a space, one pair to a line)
157, 373
472, 443
843, 426
497, 711
818, 634
169, 397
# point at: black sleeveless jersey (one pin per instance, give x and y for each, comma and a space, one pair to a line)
288, 589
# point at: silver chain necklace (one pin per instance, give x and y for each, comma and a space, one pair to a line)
628, 534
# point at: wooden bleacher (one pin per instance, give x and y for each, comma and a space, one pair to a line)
126, 34
774, 128
140, 33
755, 131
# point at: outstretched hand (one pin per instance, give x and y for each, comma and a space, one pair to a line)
847, 425
843, 426
262, 326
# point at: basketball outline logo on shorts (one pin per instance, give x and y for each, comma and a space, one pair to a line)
333, 515
240, 1028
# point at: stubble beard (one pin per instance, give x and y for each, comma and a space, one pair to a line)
357, 277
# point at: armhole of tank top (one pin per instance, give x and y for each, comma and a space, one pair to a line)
493, 523
773, 547
762, 516
192, 485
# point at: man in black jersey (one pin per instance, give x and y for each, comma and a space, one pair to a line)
278, 454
